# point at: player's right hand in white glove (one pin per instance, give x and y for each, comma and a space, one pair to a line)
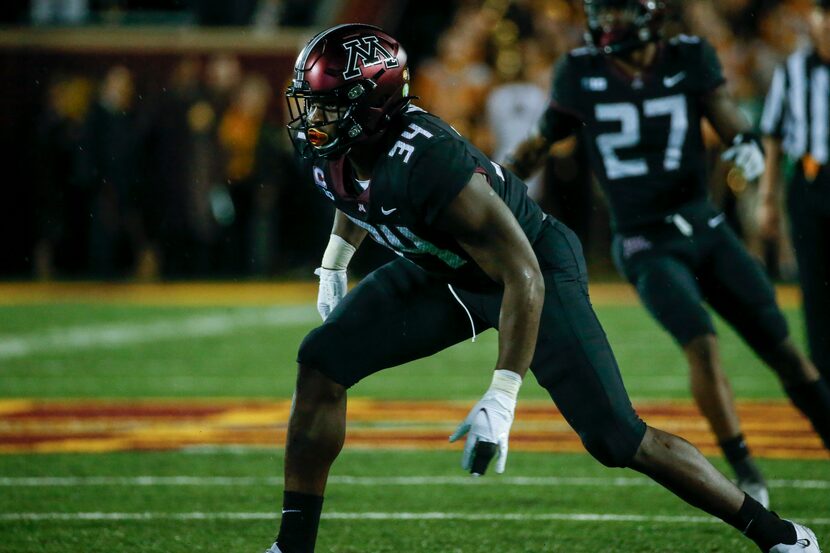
487, 426
333, 287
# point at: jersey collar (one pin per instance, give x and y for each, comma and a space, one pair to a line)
338, 170
646, 76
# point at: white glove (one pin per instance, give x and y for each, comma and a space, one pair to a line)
487, 426
333, 287
748, 156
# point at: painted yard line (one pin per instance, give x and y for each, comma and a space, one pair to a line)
113, 335
82, 481
211, 516
45, 426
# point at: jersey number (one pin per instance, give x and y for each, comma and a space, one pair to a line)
629, 136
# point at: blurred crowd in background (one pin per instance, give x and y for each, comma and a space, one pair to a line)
196, 178
186, 183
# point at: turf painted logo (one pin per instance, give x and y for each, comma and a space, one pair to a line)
368, 50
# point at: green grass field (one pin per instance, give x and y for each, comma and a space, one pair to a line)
225, 499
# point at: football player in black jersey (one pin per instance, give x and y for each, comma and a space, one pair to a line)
638, 101
475, 253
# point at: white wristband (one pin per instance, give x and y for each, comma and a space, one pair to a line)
506, 382
338, 254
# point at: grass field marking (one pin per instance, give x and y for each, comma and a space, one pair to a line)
426, 516
541, 481
11, 406
113, 335
84, 425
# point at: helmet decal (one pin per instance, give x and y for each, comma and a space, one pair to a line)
368, 54
349, 83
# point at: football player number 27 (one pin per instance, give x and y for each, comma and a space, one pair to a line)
628, 116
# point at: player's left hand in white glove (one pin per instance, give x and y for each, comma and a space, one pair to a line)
487, 426
747, 154
333, 287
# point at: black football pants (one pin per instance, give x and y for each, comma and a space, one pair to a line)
676, 274
400, 313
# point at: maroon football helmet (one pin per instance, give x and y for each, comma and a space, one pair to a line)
349, 82
618, 26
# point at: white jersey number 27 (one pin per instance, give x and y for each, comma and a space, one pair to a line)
628, 116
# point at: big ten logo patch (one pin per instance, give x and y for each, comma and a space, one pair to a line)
595, 84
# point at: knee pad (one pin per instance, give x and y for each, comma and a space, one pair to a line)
772, 328
614, 445
319, 350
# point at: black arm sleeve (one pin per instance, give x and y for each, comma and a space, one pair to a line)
711, 72
563, 115
557, 124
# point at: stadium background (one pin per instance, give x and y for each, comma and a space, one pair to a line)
156, 249
184, 100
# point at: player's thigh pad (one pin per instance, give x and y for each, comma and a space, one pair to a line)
668, 288
397, 314
735, 286
574, 361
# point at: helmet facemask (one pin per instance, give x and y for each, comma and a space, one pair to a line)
321, 125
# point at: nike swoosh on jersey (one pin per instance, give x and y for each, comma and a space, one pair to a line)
669, 82
388, 211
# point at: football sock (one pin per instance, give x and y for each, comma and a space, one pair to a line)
762, 526
300, 519
813, 399
737, 454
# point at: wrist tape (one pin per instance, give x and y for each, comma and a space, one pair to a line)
338, 254
506, 382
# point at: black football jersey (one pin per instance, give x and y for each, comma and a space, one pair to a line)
643, 133
424, 166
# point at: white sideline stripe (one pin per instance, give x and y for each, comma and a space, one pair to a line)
570, 517
113, 335
81, 481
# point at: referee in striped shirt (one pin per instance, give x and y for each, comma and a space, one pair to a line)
796, 121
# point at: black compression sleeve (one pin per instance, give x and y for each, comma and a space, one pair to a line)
558, 123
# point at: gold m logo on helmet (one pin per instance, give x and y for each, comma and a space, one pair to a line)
368, 50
